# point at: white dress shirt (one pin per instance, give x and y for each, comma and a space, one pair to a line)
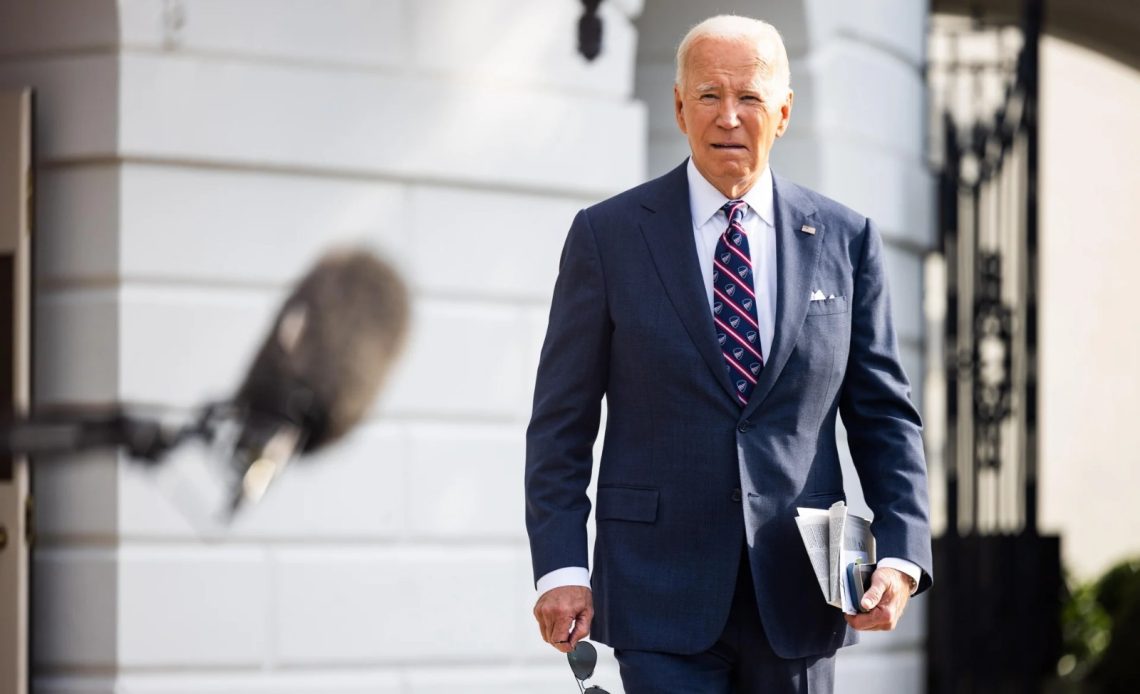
759, 222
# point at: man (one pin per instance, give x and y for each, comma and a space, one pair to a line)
727, 315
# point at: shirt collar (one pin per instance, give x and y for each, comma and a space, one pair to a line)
705, 200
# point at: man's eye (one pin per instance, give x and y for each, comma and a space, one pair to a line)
750, 98
708, 97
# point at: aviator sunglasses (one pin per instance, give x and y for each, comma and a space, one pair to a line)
582, 661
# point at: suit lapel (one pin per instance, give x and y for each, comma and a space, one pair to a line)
797, 254
668, 232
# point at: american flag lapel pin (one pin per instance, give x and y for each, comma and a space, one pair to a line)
808, 229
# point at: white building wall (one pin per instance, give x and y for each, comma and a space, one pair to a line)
1090, 378
194, 157
856, 135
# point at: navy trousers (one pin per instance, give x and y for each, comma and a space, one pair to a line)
740, 662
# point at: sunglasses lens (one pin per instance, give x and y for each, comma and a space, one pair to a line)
595, 690
583, 659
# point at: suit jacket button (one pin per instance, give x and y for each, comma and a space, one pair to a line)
736, 495
744, 427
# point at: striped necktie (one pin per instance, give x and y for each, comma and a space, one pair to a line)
734, 304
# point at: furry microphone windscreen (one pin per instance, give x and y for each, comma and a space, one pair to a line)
331, 347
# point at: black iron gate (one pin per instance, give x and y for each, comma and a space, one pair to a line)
994, 611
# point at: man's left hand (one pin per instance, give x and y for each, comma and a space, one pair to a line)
884, 601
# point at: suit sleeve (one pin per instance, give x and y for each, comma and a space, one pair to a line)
884, 430
572, 375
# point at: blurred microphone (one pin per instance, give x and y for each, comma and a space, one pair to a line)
319, 370
314, 378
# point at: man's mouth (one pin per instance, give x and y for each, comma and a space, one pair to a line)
727, 145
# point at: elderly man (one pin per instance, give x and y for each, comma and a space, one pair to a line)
727, 315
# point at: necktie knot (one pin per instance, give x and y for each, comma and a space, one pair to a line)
734, 210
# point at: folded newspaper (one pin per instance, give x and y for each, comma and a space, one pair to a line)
836, 539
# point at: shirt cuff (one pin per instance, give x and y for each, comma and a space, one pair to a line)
909, 568
559, 578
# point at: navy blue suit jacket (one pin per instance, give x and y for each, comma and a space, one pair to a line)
686, 474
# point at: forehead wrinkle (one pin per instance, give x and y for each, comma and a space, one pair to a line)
756, 84
698, 65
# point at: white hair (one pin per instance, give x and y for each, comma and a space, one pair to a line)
773, 62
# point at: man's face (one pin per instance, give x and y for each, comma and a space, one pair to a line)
721, 107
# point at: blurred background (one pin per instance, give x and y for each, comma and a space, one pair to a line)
182, 162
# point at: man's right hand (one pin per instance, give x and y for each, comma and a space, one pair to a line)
564, 615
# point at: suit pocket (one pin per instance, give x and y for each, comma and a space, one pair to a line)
821, 499
637, 504
836, 304
837, 495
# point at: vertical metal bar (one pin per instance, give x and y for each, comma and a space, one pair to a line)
948, 213
1031, 66
15, 380
977, 284
1012, 441
965, 365
1022, 290
1006, 255
1033, 15
7, 349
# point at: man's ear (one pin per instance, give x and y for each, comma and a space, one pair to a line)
785, 114
678, 109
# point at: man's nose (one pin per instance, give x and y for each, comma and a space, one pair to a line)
727, 115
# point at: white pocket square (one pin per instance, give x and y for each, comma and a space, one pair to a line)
817, 295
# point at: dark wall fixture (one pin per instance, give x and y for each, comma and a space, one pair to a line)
590, 30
